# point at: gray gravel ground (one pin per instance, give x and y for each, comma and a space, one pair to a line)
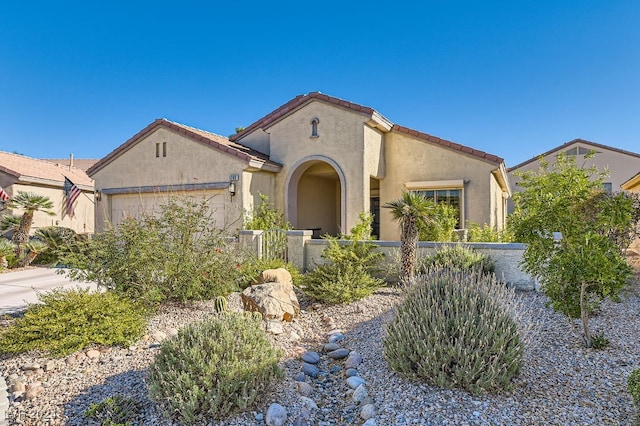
561, 383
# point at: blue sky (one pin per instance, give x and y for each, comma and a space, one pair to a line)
513, 78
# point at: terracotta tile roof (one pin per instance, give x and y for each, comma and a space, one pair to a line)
296, 103
80, 163
25, 168
301, 100
567, 145
448, 144
217, 142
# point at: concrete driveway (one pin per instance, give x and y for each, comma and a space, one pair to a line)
18, 288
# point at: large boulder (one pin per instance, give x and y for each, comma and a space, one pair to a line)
275, 298
279, 275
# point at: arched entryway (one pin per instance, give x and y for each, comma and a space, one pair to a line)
316, 196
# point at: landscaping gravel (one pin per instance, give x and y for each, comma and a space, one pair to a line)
561, 383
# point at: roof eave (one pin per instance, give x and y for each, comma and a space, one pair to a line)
503, 178
631, 183
31, 180
257, 165
378, 121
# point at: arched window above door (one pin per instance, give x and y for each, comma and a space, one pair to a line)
314, 127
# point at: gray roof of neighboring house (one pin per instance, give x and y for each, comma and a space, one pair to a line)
80, 163
212, 140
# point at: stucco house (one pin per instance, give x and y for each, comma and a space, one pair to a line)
320, 159
20, 173
621, 164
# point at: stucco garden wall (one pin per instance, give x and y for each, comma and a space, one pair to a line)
306, 253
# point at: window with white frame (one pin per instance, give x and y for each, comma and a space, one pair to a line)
450, 192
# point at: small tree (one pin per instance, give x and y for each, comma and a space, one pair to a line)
265, 216
29, 203
586, 264
412, 212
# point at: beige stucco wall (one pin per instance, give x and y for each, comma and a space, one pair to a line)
412, 160
253, 184
81, 222
341, 142
498, 200
187, 162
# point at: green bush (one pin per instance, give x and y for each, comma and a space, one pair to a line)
633, 386
59, 240
452, 330
440, 228
177, 254
265, 216
6, 252
113, 411
69, 320
487, 234
214, 368
348, 275
459, 257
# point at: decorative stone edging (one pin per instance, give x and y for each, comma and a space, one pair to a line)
311, 368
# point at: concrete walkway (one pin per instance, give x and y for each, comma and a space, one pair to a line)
19, 288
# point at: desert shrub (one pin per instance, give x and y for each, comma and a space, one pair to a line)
265, 216
444, 219
214, 368
348, 274
67, 320
6, 251
176, 254
487, 234
59, 240
114, 410
459, 257
599, 341
252, 267
633, 386
455, 329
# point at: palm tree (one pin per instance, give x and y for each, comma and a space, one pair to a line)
410, 211
29, 203
34, 248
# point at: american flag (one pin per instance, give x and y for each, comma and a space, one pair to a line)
3, 195
71, 193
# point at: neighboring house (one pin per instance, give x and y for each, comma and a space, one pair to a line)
20, 173
79, 163
621, 164
321, 160
633, 185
